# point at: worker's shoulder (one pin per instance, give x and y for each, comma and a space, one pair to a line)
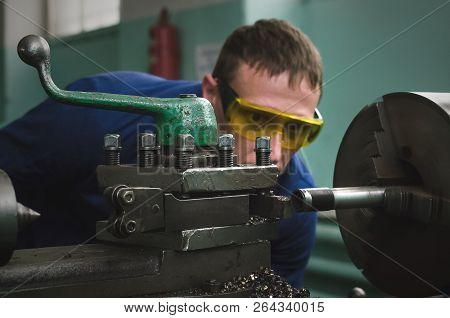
135, 83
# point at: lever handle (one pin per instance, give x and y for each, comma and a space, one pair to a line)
175, 116
34, 51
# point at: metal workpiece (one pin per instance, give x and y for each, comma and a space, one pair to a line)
173, 116
195, 239
399, 142
408, 202
148, 150
226, 147
196, 180
262, 151
112, 146
325, 199
107, 270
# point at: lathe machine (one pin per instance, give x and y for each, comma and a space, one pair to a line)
186, 219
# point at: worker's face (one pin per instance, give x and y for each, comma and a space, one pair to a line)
260, 88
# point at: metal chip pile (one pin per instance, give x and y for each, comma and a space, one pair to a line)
264, 284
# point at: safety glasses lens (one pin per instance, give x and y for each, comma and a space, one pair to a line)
251, 123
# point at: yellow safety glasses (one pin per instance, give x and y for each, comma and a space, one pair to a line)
250, 121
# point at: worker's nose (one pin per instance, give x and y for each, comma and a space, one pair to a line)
276, 154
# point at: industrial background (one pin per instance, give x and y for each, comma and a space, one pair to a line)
369, 48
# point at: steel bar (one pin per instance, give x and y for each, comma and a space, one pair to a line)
324, 199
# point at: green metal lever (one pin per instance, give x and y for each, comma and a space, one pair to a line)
173, 116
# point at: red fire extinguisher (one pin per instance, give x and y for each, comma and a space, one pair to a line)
163, 51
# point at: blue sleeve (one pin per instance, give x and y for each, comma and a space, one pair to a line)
49, 153
53, 143
296, 237
49, 145
38, 148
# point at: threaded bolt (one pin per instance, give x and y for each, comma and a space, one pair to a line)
111, 149
184, 149
226, 150
263, 150
148, 150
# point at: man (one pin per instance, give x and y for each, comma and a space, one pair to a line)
51, 152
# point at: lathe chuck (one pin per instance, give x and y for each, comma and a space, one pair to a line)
401, 140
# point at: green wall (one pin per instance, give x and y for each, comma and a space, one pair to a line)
90, 53
95, 52
203, 25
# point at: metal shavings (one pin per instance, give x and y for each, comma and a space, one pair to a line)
264, 284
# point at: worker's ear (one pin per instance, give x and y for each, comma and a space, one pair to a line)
210, 91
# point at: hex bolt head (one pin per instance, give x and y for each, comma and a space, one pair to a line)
112, 142
147, 141
111, 149
184, 142
262, 143
130, 226
226, 142
126, 196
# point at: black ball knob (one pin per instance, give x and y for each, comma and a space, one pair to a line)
34, 50
357, 292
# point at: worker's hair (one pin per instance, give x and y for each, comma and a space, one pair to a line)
274, 46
